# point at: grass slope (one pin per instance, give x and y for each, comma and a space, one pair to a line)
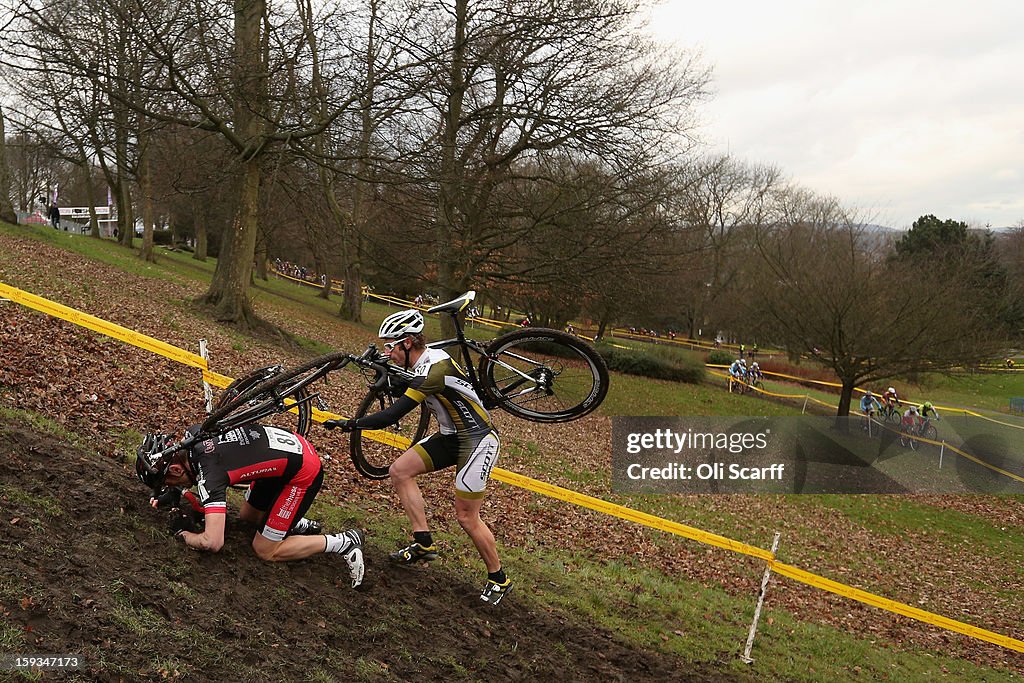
693, 619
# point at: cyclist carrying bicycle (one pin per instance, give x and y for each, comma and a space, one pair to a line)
284, 473
466, 441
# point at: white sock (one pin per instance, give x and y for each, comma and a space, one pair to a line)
340, 543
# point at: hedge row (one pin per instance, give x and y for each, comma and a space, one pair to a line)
721, 357
657, 363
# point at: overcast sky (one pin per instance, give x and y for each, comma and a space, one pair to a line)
897, 107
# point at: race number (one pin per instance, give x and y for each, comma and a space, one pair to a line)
282, 440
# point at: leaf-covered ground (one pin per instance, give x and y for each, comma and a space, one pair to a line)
103, 389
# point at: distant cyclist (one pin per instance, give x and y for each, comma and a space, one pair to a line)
926, 408
890, 399
738, 369
755, 371
284, 473
911, 419
466, 441
869, 405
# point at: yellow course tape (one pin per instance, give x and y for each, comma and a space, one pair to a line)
897, 607
216, 379
629, 514
992, 419
550, 490
787, 570
102, 326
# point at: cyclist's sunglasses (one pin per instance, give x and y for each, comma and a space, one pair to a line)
388, 346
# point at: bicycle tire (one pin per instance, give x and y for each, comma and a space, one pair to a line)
371, 457
930, 432
302, 418
565, 378
894, 417
262, 400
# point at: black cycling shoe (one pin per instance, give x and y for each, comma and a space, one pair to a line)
414, 552
493, 592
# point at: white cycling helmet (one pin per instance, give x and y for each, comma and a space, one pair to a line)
892, 390
743, 362
755, 365
401, 324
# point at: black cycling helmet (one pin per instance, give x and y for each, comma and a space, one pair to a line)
149, 466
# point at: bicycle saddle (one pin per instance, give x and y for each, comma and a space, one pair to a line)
455, 305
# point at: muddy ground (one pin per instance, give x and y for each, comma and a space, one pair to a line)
86, 567
90, 570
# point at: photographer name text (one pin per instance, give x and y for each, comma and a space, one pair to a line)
716, 471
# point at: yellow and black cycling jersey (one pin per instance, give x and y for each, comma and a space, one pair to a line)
445, 389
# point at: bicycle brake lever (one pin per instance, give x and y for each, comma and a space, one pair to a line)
370, 352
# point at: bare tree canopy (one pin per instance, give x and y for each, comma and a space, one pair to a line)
827, 287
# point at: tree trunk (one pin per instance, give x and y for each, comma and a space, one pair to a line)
146, 192
845, 399
447, 200
6, 207
321, 268
230, 284
125, 213
90, 188
260, 259
228, 293
199, 225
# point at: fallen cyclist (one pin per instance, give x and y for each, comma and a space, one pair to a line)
284, 473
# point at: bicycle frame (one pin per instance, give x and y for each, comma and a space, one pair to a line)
466, 346
278, 403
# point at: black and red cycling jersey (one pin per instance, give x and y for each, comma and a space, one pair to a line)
250, 453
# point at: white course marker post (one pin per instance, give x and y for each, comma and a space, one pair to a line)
760, 602
207, 389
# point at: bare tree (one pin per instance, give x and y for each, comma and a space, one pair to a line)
516, 80
720, 198
6, 207
827, 287
231, 72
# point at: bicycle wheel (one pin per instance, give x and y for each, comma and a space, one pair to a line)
543, 375
893, 417
373, 451
931, 433
274, 395
297, 420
